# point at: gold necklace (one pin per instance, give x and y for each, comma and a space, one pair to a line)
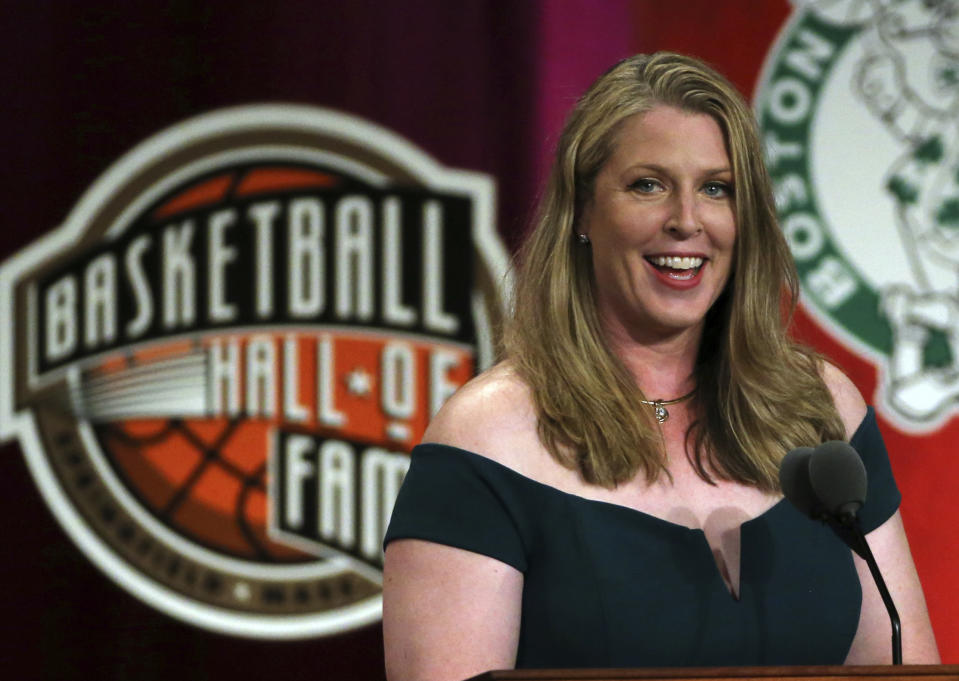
659, 406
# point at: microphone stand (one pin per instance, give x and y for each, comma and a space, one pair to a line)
853, 535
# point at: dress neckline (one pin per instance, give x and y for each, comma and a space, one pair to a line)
648, 517
613, 506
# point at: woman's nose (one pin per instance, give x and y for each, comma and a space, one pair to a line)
684, 220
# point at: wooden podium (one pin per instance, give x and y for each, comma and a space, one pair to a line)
833, 673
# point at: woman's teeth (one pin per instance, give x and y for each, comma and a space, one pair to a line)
676, 263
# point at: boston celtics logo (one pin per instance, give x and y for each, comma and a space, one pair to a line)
859, 107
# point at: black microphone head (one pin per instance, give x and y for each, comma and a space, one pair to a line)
837, 476
794, 481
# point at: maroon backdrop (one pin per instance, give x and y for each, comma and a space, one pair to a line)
86, 84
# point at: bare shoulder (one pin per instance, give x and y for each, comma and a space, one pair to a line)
845, 395
492, 415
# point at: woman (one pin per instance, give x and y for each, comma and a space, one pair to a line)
607, 496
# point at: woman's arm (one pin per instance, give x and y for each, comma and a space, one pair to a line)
873, 641
448, 614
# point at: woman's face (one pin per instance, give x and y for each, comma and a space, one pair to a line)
662, 225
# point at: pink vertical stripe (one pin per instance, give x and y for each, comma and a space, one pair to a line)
579, 39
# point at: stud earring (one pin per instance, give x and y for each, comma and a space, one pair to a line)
582, 238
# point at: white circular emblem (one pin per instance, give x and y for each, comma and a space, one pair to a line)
859, 109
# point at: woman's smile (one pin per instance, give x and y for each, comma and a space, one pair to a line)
681, 271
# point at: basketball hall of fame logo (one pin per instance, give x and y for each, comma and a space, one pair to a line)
217, 367
859, 108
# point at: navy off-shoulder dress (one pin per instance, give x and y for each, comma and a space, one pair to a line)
608, 586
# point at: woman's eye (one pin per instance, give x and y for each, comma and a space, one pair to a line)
718, 190
645, 186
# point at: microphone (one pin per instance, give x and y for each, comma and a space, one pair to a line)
796, 484
826, 482
829, 483
837, 476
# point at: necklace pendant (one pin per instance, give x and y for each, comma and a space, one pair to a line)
659, 406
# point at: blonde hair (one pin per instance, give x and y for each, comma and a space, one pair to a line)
758, 394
